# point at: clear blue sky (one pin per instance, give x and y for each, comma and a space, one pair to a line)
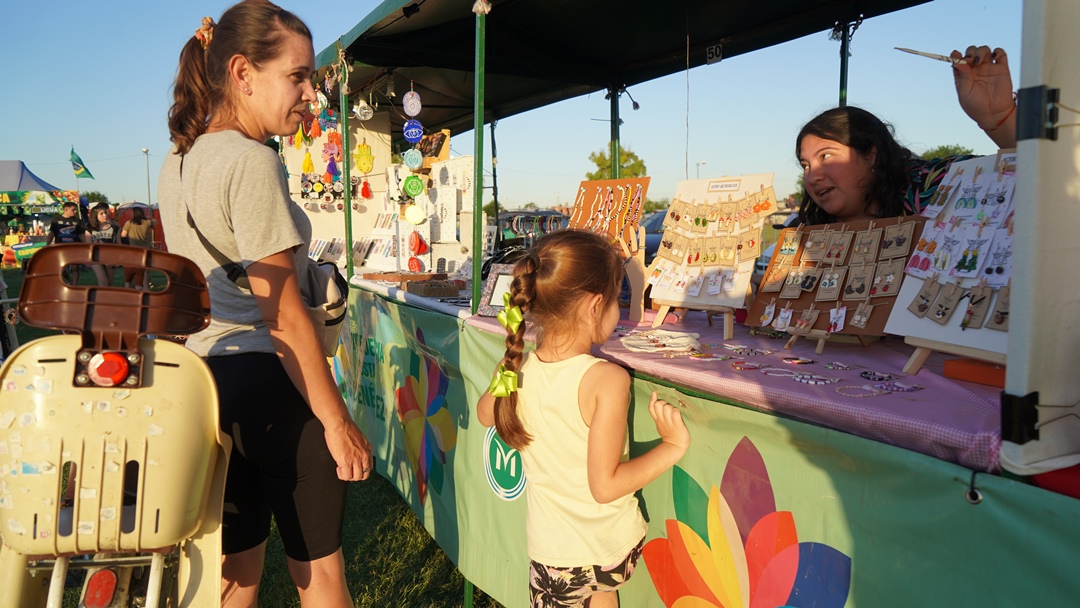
98, 76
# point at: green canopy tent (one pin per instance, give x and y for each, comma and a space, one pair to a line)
538, 53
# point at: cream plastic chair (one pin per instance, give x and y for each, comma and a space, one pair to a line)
129, 425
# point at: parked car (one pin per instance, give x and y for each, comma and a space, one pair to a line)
654, 232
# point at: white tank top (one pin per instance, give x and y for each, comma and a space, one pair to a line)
565, 526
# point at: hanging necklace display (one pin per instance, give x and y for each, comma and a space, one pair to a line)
412, 158
410, 102
413, 131
316, 107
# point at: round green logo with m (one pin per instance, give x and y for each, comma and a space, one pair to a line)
502, 464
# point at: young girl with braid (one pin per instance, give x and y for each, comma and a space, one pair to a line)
566, 412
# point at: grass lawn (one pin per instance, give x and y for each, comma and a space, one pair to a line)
390, 559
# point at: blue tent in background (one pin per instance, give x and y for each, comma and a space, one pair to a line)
14, 177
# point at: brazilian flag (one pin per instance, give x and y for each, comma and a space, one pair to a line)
78, 166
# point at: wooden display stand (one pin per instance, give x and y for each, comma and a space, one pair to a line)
924, 347
883, 304
635, 275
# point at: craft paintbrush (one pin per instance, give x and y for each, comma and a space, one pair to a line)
931, 55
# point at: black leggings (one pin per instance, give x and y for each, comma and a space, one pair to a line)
280, 463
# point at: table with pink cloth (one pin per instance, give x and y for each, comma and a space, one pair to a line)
948, 419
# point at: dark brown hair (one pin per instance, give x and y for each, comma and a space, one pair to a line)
254, 29
138, 216
94, 223
560, 270
864, 133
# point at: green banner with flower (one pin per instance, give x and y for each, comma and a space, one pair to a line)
763, 511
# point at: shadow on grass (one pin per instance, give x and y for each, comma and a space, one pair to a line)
390, 560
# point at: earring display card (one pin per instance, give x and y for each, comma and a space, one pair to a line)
839, 279
861, 318
896, 242
774, 279
793, 283
832, 281
887, 278
926, 296
814, 248
999, 319
783, 320
806, 320
978, 304
964, 244
837, 250
858, 282
865, 249
945, 304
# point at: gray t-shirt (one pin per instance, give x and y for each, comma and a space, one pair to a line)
239, 199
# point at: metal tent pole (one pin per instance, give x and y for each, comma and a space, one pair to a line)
343, 100
478, 160
616, 155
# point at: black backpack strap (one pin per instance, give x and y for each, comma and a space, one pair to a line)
234, 270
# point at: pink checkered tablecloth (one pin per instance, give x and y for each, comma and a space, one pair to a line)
951, 420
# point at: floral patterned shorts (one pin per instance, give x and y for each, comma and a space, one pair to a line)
551, 587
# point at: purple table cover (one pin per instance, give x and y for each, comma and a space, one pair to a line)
951, 420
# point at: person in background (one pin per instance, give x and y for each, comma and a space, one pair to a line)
295, 444
68, 227
854, 169
137, 232
568, 418
102, 230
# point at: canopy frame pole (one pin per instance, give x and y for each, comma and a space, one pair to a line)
478, 160
495, 185
616, 153
343, 99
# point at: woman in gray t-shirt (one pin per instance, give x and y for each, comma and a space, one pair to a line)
294, 441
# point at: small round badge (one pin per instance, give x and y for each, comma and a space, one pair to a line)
412, 158
413, 186
413, 131
415, 215
411, 103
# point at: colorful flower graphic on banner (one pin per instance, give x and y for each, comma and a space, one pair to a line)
731, 548
430, 431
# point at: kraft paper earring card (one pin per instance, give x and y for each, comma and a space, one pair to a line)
858, 282
832, 281
945, 305
865, 249
896, 241
926, 296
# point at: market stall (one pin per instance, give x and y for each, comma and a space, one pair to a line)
870, 485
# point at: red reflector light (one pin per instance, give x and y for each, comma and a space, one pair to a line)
100, 589
108, 369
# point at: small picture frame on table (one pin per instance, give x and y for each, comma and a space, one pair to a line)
497, 283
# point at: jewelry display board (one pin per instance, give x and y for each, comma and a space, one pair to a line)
612, 207
712, 238
955, 295
840, 278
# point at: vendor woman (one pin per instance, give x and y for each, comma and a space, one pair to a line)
853, 168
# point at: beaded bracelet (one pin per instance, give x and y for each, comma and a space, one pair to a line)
800, 361
813, 379
744, 366
777, 371
876, 377
896, 387
836, 365
870, 391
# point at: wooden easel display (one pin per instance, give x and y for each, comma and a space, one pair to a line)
955, 296
712, 238
816, 270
